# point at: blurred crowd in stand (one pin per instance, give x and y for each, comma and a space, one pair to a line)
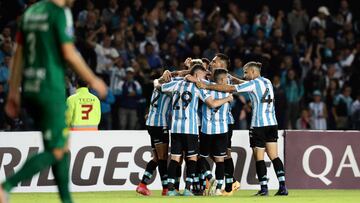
312, 55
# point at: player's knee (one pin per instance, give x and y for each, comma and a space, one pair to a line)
58, 153
259, 153
162, 156
219, 159
192, 158
177, 159
162, 152
272, 155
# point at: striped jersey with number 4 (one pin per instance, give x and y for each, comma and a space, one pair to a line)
185, 98
261, 94
43, 29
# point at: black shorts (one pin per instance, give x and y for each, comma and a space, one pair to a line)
259, 136
158, 135
187, 143
230, 134
214, 145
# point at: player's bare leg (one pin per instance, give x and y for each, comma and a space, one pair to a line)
4, 196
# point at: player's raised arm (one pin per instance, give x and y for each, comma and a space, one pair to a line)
78, 64
188, 63
180, 73
165, 78
248, 86
236, 80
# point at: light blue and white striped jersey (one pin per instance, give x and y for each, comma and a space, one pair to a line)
215, 120
230, 118
261, 94
185, 98
159, 110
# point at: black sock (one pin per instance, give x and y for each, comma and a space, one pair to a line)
219, 174
197, 179
190, 173
178, 176
279, 170
261, 173
163, 172
172, 174
150, 167
205, 167
229, 174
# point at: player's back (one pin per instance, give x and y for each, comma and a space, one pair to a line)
44, 27
159, 110
215, 120
262, 99
84, 110
184, 108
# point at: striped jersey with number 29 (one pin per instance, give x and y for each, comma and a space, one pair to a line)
261, 94
185, 97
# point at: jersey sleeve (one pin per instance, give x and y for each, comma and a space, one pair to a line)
203, 94
169, 87
64, 26
245, 87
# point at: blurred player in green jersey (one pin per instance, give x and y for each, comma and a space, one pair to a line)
44, 45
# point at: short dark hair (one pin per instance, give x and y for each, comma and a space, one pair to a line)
205, 60
253, 64
219, 72
81, 83
224, 58
195, 68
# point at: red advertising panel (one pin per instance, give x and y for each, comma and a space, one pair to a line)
322, 160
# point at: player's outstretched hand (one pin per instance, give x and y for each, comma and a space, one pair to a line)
187, 62
12, 107
100, 87
166, 77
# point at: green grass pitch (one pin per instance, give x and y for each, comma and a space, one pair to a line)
241, 196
